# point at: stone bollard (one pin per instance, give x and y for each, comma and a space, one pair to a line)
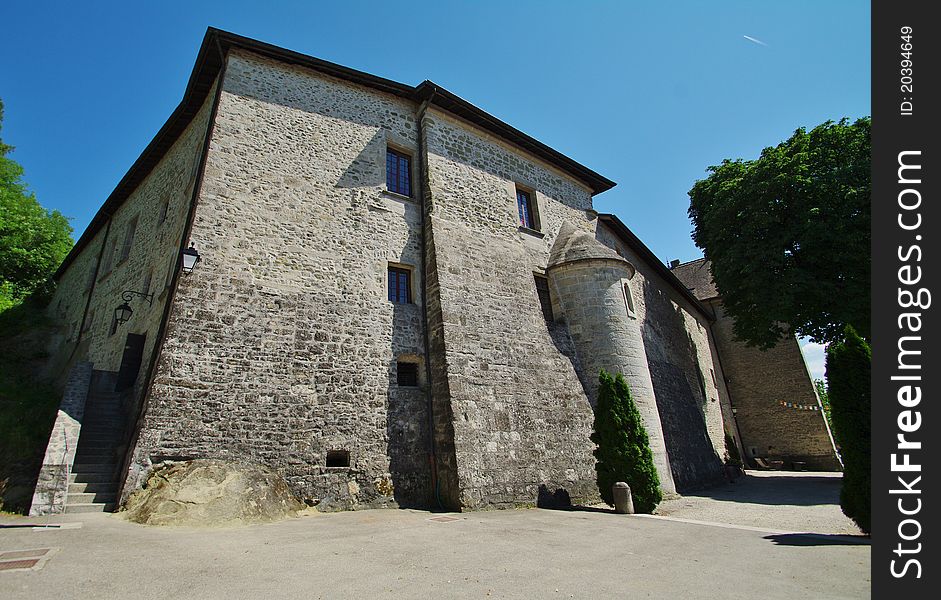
623, 502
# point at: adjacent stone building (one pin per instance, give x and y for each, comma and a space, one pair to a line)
774, 401
400, 299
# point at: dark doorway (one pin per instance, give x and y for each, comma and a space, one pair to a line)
130, 361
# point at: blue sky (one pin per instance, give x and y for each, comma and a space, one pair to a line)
646, 93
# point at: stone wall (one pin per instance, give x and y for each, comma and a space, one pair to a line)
686, 378
506, 387
759, 382
282, 345
53, 483
141, 247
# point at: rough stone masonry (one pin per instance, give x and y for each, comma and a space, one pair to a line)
470, 384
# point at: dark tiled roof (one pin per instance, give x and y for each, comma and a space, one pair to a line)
696, 276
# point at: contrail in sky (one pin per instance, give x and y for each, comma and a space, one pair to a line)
756, 40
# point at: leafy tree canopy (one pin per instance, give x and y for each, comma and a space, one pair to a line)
33, 240
788, 234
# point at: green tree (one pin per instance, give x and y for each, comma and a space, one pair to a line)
623, 448
33, 240
788, 234
849, 363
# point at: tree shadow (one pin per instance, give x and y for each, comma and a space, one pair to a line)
785, 490
818, 539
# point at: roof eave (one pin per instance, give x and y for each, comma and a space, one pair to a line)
216, 44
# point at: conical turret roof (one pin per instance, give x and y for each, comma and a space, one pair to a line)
573, 244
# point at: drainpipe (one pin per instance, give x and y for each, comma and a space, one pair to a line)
426, 207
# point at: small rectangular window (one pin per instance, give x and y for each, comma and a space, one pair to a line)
148, 281
128, 239
398, 172
400, 286
524, 202
545, 301
406, 374
108, 257
89, 320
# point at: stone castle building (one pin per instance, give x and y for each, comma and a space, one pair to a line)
399, 299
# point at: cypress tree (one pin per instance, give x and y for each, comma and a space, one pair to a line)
849, 362
623, 448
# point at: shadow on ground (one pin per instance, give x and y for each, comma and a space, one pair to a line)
802, 489
818, 539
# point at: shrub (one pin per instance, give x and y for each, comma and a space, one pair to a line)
623, 448
848, 366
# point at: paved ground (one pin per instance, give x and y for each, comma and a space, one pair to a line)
782, 500
413, 554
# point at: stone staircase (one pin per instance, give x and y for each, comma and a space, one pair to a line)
93, 481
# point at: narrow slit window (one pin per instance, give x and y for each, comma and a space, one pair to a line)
398, 172
629, 301
545, 300
164, 209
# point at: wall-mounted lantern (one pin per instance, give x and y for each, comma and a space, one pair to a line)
190, 258
122, 314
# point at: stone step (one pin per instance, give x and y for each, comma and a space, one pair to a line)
91, 498
103, 423
96, 467
107, 487
99, 440
85, 457
106, 422
99, 433
88, 508
95, 445
102, 431
94, 408
95, 449
99, 404
109, 415
95, 477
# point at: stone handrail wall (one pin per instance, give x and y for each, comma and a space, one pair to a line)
53, 483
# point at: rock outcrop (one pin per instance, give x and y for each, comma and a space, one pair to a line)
211, 493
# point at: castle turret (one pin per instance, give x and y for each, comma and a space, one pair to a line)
592, 285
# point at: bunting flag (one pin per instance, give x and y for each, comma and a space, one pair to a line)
800, 406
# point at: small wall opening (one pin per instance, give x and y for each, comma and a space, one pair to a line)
406, 374
337, 459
